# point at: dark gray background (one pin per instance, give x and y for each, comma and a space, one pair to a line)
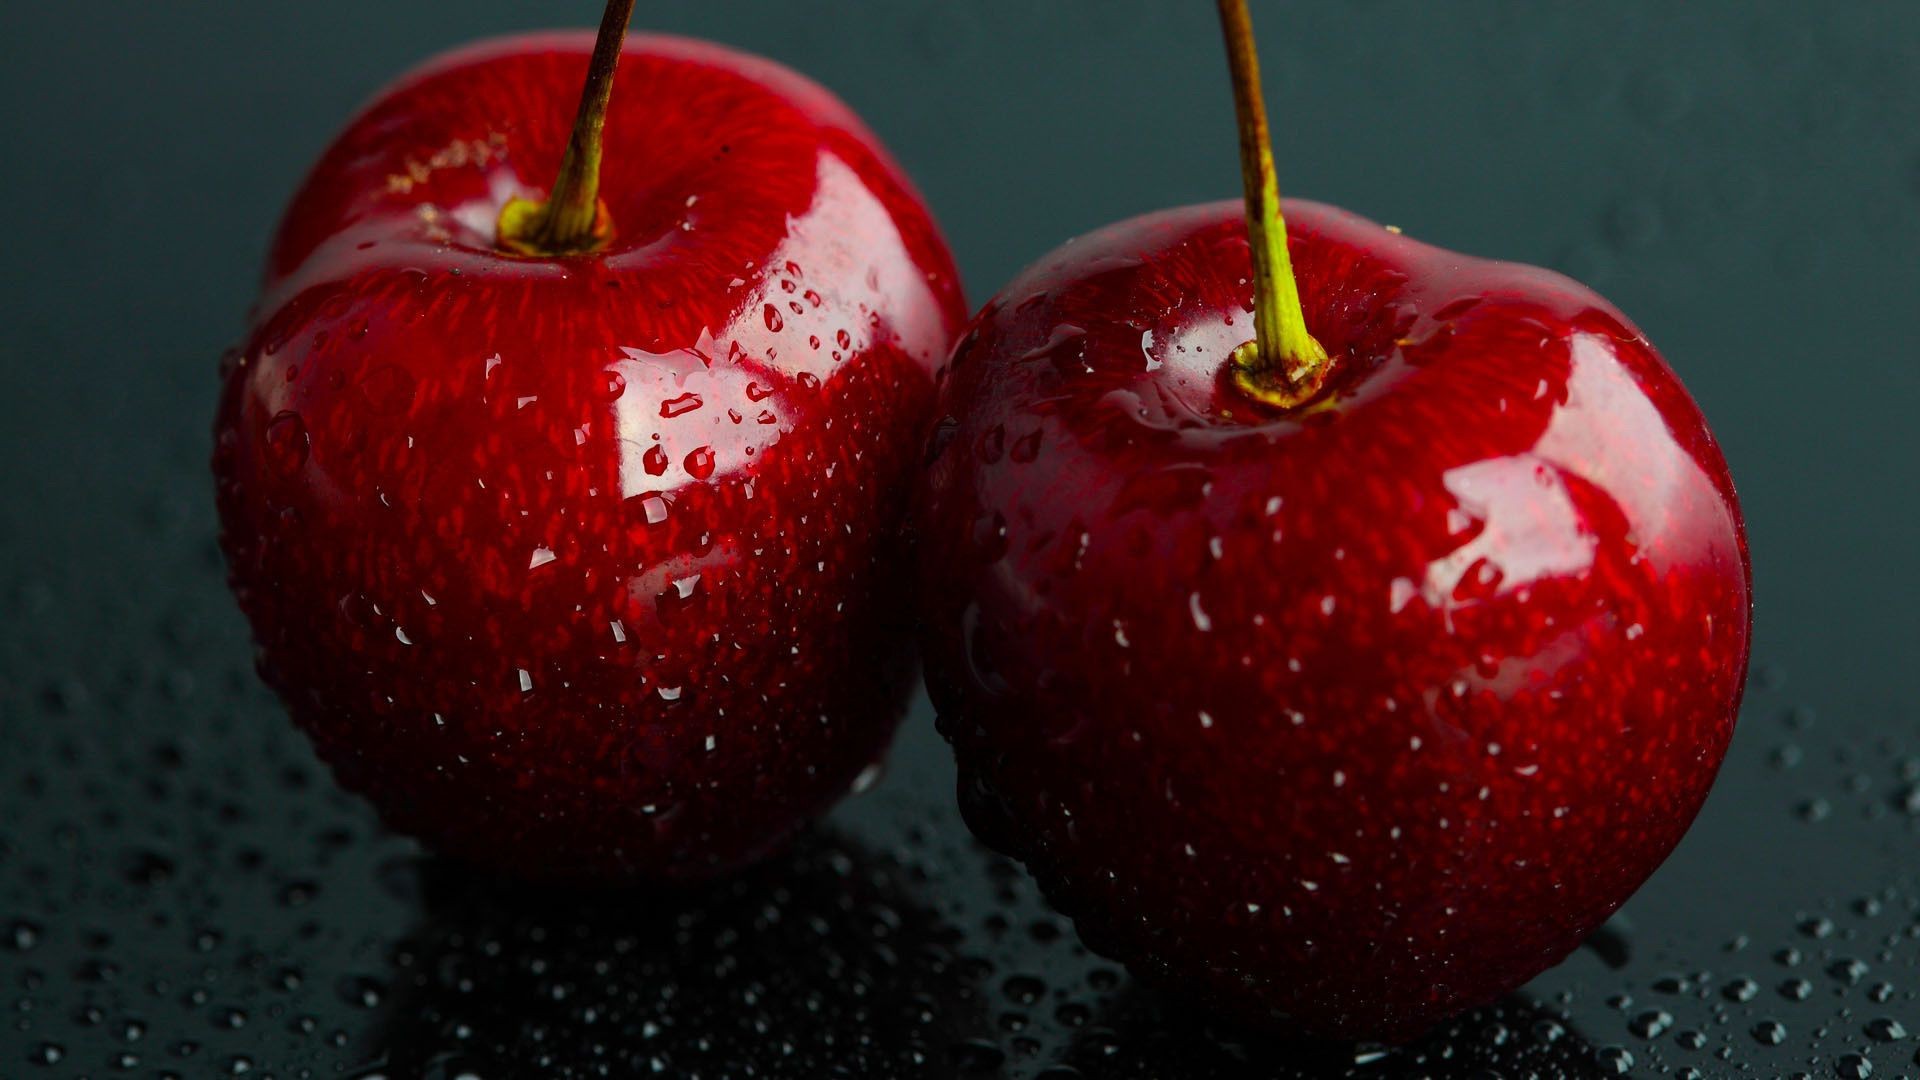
179, 884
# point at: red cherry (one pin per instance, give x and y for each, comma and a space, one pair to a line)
1353, 712
582, 562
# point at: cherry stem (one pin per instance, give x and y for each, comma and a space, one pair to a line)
571, 219
1283, 366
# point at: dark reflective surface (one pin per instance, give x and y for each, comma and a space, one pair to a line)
182, 890
824, 960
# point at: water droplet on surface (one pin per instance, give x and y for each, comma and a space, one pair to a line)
1651, 1024
700, 462
1848, 970
23, 935
1617, 1060
1769, 1033
1853, 1067
361, 990
1885, 1029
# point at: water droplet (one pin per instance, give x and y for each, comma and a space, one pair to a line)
700, 463
23, 935
1651, 1024
680, 406
1201, 620
1617, 1060
773, 318
287, 443
362, 990
1847, 970
1024, 989
1885, 1029
990, 537
1853, 1067
1769, 1033
1026, 448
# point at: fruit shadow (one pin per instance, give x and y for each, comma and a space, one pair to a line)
1146, 1035
818, 963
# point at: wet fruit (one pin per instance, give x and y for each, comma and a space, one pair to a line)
567, 526
1342, 681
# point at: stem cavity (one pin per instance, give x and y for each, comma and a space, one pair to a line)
572, 219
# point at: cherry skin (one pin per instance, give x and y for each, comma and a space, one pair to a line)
1343, 718
587, 566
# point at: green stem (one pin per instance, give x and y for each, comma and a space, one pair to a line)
1283, 366
571, 219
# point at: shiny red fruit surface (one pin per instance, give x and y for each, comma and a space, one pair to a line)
587, 566
1346, 719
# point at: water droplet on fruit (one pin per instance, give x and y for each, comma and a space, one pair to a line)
287, 443
700, 463
1026, 448
679, 406
1853, 1067
990, 537
773, 318
1065, 347
992, 444
655, 460
655, 506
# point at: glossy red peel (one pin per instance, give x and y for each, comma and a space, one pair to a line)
1343, 718
586, 566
